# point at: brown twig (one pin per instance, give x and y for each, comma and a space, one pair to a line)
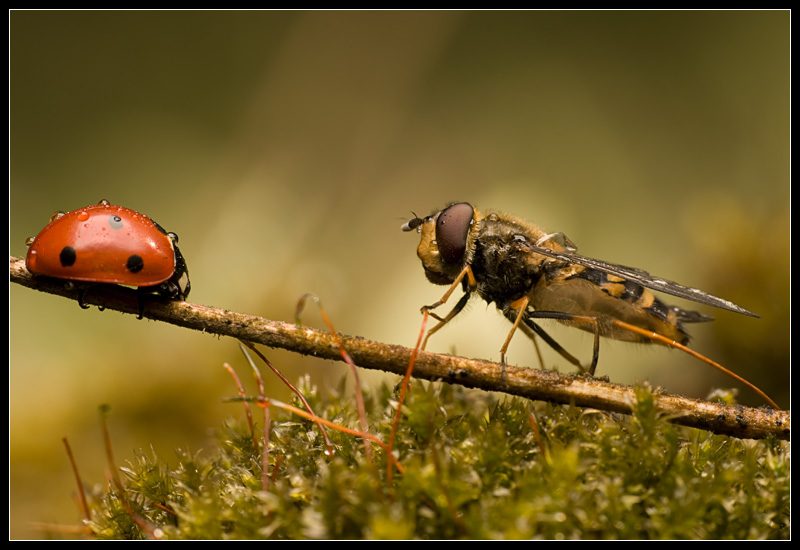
580, 390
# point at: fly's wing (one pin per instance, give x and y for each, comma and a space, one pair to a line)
643, 278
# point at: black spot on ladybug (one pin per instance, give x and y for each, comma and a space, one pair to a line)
67, 256
135, 263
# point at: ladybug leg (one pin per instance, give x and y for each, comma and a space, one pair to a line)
82, 296
140, 296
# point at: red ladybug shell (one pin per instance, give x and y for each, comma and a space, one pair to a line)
103, 243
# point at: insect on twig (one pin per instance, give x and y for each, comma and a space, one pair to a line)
530, 274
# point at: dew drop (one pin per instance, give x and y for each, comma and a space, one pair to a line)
115, 222
55, 216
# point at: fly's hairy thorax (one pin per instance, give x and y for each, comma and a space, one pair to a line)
504, 267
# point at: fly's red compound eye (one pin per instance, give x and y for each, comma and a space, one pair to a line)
452, 229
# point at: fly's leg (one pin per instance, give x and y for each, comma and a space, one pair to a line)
518, 311
569, 317
532, 329
532, 335
444, 320
471, 284
519, 306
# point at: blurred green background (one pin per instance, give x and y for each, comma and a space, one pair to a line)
287, 148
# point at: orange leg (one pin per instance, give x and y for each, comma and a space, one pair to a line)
471, 283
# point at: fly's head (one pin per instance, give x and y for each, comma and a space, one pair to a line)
447, 241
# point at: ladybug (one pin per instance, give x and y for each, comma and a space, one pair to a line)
103, 243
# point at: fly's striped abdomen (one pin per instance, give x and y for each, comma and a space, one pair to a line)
589, 292
630, 292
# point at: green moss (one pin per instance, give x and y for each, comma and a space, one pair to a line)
474, 467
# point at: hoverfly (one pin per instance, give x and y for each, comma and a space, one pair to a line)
530, 274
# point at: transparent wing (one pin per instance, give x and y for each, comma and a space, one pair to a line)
643, 278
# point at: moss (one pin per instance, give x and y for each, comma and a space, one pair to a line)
476, 466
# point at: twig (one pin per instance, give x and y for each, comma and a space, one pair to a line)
580, 390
